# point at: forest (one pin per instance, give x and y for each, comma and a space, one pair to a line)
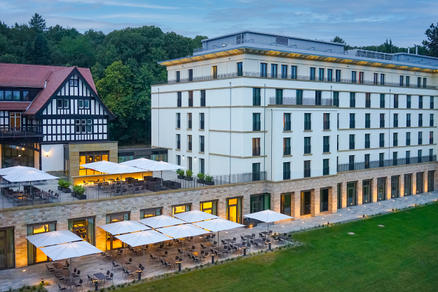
124, 63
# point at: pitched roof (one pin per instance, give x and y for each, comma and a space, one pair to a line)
14, 105
36, 76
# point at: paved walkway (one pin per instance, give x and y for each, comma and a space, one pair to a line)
32, 275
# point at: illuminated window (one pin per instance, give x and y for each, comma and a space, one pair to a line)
181, 208
88, 157
111, 241
35, 255
209, 207
234, 209
151, 212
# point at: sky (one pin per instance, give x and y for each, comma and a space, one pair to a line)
359, 22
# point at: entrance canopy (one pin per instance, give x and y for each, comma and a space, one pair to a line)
195, 216
19, 174
69, 250
161, 221
122, 227
267, 216
143, 238
219, 224
182, 231
52, 238
151, 165
109, 167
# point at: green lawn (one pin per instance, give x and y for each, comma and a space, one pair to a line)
402, 256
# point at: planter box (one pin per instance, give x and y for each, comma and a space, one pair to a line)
181, 176
64, 190
188, 178
200, 181
209, 183
79, 196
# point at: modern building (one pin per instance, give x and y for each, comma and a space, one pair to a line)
52, 118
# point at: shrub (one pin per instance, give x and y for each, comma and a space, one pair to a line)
208, 178
189, 173
180, 172
63, 183
201, 176
79, 190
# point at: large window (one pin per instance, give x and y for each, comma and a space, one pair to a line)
203, 98
201, 144
287, 126
201, 121
263, 70
181, 208
278, 96
395, 186
325, 166
351, 193
151, 212
256, 122
35, 255
307, 171
209, 207
326, 121
260, 202
286, 204
286, 170
286, 146
88, 157
307, 145
307, 121
256, 96
84, 228
326, 144
7, 248
234, 209
324, 200
239, 69
381, 188
111, 241
255, 146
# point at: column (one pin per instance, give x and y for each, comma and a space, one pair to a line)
414, 183
374, 189
315, 203
275, 201
222, 208
425, 181
296, 204
333, 199
388, 187
344, 194
401, 185
359, 190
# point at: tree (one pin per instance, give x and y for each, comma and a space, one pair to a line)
37, 23
431, 43
40, 50
339, 40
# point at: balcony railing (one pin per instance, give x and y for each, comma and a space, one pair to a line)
298, 78
22, 132
384, 163
300, 101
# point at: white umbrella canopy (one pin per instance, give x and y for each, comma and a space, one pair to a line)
181, 231
24, 174
219, 224
195, 216
15, 169
142, 238
161, 221
69, 250
267, 216
122, 227
152, 165
109, 167
52, 238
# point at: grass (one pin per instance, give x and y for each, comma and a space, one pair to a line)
402, 256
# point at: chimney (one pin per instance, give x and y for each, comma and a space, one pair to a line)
409, 50
45, 83
416, 50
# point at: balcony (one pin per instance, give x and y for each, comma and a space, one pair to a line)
384, 163
300, 101
30, 132
298, 78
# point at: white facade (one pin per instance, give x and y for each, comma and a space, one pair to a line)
228, 113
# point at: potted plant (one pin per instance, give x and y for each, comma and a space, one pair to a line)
209, 180
201, 178
180, 173
79, 192
189, 175
64, 186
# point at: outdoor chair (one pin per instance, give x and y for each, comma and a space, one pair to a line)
109, 277
79, 283
61, 288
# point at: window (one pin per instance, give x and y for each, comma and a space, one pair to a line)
239, 69
190, 98
178, 120
321, 74
424, 82
395, 121
431, 120
353, 77
256, 97
189, 142
382, 120
263, 70
432, 102
307, 121
201, 144
338, 75
74, 81
80, 103
178, 141
80, 126
351, 162
189, 121
394, 158
420, 155
202, 101
431, 155
286, 204
366, 161
408, 101
278, 96
325, 166
408, 81
299, 94
179, 99
190, 74
367, 120
88, 157
181, 208
408, 120
408, 157
274, 70
312, 73
307, 172
367, 141
201, 121
214, 72
63, 103
420, 120
326, 121
352, 99
307, 145
209, 207
202, 165
361, 77
89, 125
431, 137
375, 79
286, 170
420, 101
351, 141
368, 100
287, 126
352, 121
284, 71
255, 146
318, 97
408, 138
178, 159
395, 139
234, 209
381, 140
256, 171
382, 79
420, 138
336, 98
293, 72
151, 212
382, 100
189, 163
330, 75
256, 122
381, 159
286, 146
35, 255
260, 202
178, 76
418, 82
326, 144
395, 100
401, 80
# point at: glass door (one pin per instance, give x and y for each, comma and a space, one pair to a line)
351, 193
234, 210
15, 121
366, 191
395, 186
324, 198
286, 204
35, 255
111, 241
7, 254
408, 184
306, 198
84, 228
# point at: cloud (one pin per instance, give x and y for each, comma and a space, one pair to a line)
119, 3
